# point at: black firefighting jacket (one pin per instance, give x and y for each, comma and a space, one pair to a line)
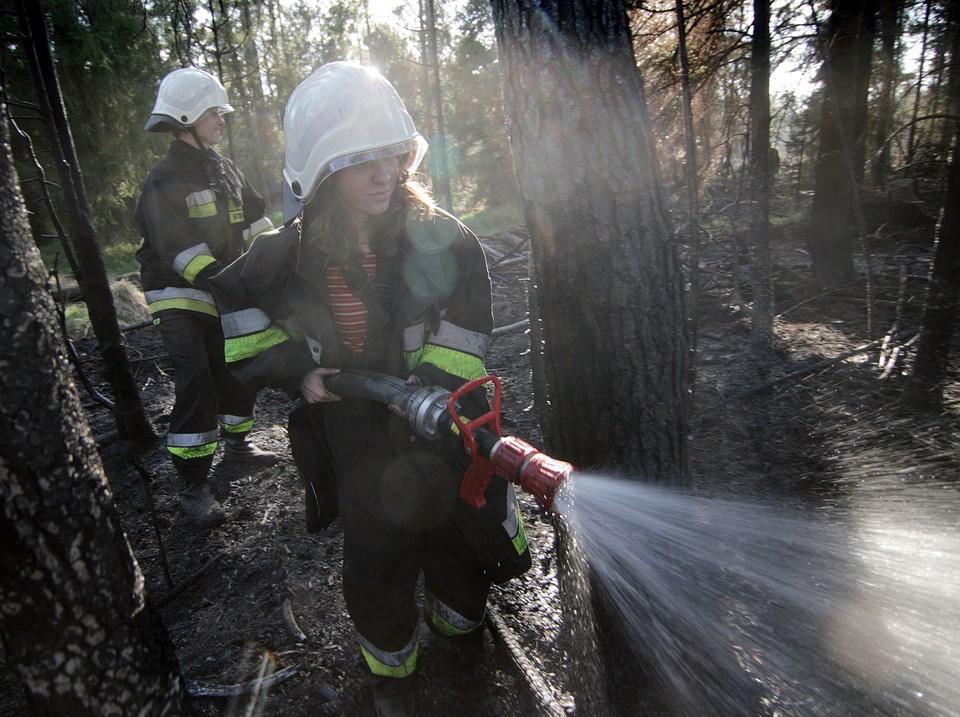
429, 308
196, 214
429, 314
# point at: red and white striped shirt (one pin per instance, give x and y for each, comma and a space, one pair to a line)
349, 313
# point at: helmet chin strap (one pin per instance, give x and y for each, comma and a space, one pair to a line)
192, 129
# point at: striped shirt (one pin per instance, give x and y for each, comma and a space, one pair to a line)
349, 313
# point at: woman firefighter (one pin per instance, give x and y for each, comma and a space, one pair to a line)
372, 275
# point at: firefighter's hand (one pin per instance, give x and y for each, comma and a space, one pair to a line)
314, 389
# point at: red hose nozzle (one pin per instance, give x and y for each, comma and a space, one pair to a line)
535, 472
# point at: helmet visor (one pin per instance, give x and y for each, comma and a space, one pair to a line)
411, 147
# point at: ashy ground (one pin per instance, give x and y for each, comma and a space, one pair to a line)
260, 596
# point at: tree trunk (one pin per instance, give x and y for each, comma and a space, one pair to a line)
609, 279
924, 389
829, 239
690, 165
132, 421
861, 104
439, 165
918, 90
73, 612
890, 12
761, 324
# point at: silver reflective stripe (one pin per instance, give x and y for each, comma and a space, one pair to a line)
246, 321
449, 615
413, 336
173, 292
316, 349
390, 659
189, 440
228, 420
263, 224
457, 338
184, 258
512, 523
201, 198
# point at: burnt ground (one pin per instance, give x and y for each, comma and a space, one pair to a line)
260, 595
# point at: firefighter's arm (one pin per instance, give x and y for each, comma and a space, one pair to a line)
254, 213
313, 387
166, 214
456, 342
260, 350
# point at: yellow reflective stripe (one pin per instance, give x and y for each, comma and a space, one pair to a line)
196, 265
183, 259
442, 626
412, 358
188, 452
236, 424
183, 303
445, 619
201, 205
457, 363
256, 229
520, 539
235, 211
192, 445
243, 347
513, 523
378, 667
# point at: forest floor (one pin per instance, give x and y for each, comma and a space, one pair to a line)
260, 595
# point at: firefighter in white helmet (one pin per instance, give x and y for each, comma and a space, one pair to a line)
372, 275
196, 214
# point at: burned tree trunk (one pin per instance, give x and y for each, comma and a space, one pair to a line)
73, 613
924, 390
609, 282
761, 324
829, 239
131, 418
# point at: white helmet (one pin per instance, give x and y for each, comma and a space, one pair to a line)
345, 113
183, 97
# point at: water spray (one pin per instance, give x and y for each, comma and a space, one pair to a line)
433, 412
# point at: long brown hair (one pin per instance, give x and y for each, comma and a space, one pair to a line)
327, 227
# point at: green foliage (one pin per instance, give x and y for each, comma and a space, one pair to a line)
489, 221
120, 260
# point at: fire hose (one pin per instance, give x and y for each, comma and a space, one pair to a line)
433, 412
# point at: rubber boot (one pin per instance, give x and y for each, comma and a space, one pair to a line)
197, 502
394, 697
237, 448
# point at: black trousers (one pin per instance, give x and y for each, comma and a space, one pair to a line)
397, 523
203, 386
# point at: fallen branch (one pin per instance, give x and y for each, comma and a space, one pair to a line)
151, 506
806, 371
164, 599
290, 622
195, 688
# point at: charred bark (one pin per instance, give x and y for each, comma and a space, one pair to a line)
73, 614
132, 421
610, 287
924, 390
830, 237
890, 12
761, 324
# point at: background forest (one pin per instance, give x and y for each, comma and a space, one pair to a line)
111, 55
717, 223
